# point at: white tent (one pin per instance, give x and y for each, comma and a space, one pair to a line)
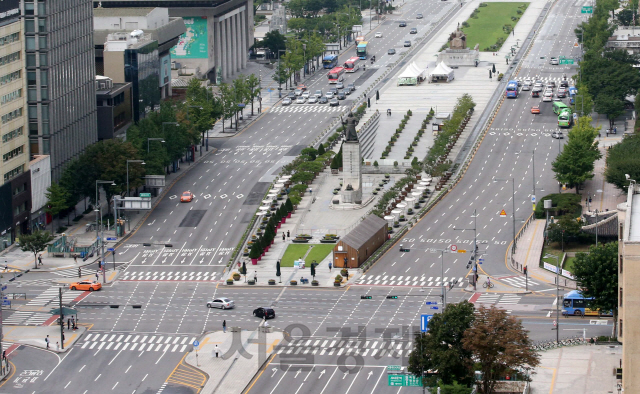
411, 75
441, 72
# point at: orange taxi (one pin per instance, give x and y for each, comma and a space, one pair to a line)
302, 87
186, 197
535, 109
86, 285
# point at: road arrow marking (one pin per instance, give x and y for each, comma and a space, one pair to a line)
345, 375
173, 197
274, 371
297, 373
321, 373
369, 374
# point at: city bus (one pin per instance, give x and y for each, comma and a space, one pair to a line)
335, 75
572, 94
330, 61
351, 65
512, 89
361, 50
565, 118
575, 304
559, 106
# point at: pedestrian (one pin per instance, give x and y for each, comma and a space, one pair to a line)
216, 350
224, 326
47, 341
97, 276
288, 235
75, 323
68, 324
255, 277
607, 132
330, 265
310, 191
75, 258
4, 354
57, 346
615, 130
40, 260
283, 236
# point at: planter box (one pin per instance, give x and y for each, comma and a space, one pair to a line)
328, 241
229, 282
305, 236
272, 282
288, 215
254, 261
314, 283
300, 240
251, 283
293, 283
336, 284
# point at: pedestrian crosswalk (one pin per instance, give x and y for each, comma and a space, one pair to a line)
297, 108
339, 347
499, 299
401, 280
52, 293
26, 318
136, 342
518, 281
168, 276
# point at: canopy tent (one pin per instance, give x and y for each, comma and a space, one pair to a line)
411, 75
441, 72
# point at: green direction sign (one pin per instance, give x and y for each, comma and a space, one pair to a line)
404, 380
566, 61
394, 368
587, 9
145, 195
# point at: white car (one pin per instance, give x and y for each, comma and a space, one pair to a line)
329, 95
548, 96
286, 101
305, 94
300, 100
318, 93
378, 35
312, 100
222, 303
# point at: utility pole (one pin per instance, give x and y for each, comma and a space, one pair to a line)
61, 317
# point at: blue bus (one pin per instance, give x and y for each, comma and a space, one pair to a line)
576, 304
361, 50
330, 61
512, 89
572, 94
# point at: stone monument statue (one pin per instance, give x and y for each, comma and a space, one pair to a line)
458, 40
350, 128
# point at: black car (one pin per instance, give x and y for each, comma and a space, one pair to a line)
323, 100
292, 95
402, 24
352, 87
347, 91
334, 91
341, 95
564, 84
264, 312
391, 51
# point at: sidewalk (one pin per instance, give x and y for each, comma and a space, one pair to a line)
35, 336
585, 369
241, 355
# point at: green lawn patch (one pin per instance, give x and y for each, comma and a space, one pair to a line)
318, 253
491, 23
568, 264
292, 253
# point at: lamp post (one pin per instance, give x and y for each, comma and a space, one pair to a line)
132, 161
475, 243
154, 139
557, 327
513, 207
112, 183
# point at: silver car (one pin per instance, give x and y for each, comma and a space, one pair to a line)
221, 302
312, 100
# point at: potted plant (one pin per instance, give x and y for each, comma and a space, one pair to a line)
272, 282
251, 282
402, 219
236, 276
254, 253
229, 281
314, 283
289, 207
337, 280
396, 224
245, 253
410, 211
293, 283
343, 272
387, 176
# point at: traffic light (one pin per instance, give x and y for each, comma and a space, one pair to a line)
469, 264
392, 297
403, 249
364, 297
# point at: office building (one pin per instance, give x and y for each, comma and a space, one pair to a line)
15, 184
114, 108
60, 73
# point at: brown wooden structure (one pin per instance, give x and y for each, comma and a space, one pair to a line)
360, 243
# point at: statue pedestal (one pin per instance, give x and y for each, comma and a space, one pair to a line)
352, 182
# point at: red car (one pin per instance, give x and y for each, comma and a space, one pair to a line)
535, 109
186, 197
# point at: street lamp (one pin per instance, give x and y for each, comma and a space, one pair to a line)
557, 328
513, 207
154, 139
132, 161
475, 244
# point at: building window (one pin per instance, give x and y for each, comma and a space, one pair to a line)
6, 137
43, 60
5, 79
19, 209
8, 117
44, 110
29, 26
31, 78
620, 331
29, 8
10, 58
14, 37
31, 60
33, 112
44, 78
44, 94
42, 25
42, 42
19, 189
621, 260
13, 173
33, 128
30, 43
32, 94
46, 150
13, 153
621, 296
11, 96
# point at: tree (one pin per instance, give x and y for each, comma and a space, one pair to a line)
35, 243
253, 85
274, 41
321, 150
442, 348
583, 105
609, 105
567, 224
623, 158
57, 200
228, 103
500, 344
596, 273
576, 162
289, 205
255, 252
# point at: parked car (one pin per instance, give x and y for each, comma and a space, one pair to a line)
221, 302
186, 197
86, 285
287, 101
264, 312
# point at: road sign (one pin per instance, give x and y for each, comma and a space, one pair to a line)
112, 239
462, 250
4, 287
196, 343
434, 308
453, 248
404, 380
587, 9
503, 214
394, 368
424, 322
533, 199
431, 303
111, 250
145, 195
480, 261
566, 61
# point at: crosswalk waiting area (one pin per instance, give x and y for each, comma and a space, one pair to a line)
169, 275
394, 280
338, 347
137, 342
52, 294
26, 318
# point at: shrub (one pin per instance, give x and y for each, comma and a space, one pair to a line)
563, 204
375, 163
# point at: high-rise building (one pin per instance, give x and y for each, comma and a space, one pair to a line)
60, 74
15, 181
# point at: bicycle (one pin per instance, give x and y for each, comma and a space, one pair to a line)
487, 284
